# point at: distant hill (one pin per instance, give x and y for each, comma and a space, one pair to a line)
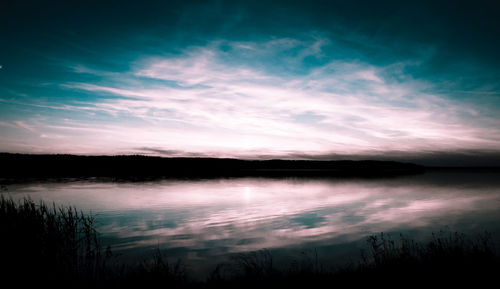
135, 166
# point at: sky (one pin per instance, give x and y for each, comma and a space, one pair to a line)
394, 80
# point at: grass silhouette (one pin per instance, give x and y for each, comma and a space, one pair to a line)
447, 259
41, 242
59, 247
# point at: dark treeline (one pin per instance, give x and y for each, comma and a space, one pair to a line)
136, 166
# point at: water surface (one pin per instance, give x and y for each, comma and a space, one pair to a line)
203, 222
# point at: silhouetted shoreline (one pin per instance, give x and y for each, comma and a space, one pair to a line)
18, 166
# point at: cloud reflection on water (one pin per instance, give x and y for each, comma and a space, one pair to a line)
238, 215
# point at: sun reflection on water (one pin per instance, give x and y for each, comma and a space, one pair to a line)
211, 217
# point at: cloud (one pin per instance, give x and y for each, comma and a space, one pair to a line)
233, 99
346, 107
18, 124
172, 153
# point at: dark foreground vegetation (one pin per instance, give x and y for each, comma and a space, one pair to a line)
58, 247
21, 166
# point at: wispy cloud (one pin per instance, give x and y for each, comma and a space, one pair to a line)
18, 124
215, 100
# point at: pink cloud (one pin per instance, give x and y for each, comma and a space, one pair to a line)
236, 110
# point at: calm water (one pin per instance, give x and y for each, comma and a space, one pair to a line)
209, 220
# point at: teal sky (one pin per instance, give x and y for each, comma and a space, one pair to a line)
402, 80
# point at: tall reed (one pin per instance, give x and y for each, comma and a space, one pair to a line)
47, 243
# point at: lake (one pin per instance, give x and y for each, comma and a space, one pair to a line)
205, 222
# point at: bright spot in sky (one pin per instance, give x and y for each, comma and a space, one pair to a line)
198, 80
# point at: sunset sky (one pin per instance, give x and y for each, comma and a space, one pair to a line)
402, 80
